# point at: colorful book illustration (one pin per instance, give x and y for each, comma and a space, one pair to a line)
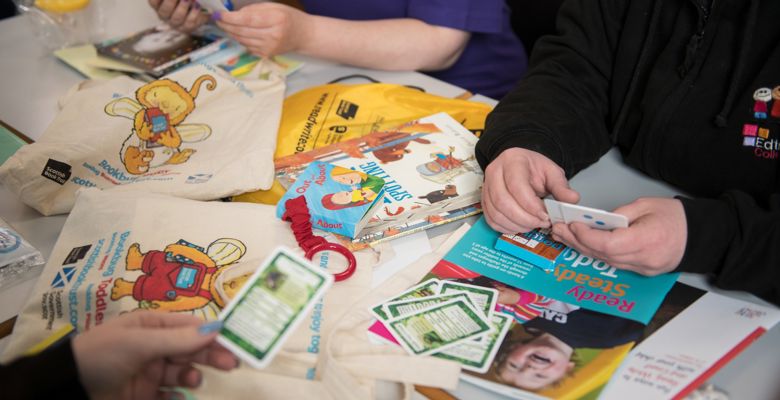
340, 200
428, 165
161, 49
575, 279
537, 247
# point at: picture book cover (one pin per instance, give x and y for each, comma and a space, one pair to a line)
428, 165
577, 279
536, 246
161, 49
340, 200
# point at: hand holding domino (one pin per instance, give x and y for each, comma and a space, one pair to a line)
593, 217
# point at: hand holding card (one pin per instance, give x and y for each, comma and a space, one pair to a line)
216, 5
593, 217
270, 305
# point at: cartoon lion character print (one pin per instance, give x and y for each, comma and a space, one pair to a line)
158, 112
182, 277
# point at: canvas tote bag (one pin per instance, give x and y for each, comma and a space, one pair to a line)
101, 266
197, 133
349, 365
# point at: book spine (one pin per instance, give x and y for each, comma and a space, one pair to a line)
333, 225
411, 227
190, 57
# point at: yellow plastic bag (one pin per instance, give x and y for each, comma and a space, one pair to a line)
331, 113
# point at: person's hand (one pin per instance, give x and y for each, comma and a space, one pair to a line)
266, 29
182, 15
133, 355
653, 243
514, 184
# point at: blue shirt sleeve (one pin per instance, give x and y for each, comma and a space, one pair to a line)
479, 16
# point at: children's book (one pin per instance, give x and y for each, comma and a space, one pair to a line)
161, 49
428, 165
576, 279
340, 200
536, 246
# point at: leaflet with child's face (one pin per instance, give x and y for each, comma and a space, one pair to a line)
270, 305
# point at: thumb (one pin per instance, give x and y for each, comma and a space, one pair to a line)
632, 211
558, 187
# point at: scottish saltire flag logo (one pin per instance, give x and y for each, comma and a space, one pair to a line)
63, 277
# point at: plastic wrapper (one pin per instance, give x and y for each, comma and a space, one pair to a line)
19, 260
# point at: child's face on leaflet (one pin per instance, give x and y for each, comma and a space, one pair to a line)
536, 364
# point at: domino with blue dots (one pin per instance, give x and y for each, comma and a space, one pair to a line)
566, 213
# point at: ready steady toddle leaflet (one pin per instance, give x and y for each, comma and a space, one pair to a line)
575, 278
198, 133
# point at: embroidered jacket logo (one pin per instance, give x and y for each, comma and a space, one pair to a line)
757, 135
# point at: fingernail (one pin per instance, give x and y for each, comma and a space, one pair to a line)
216, 16
210, 327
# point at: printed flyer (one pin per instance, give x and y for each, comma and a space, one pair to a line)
575, 279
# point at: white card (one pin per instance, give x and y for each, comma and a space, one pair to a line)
593, 217
272, 302
216, 5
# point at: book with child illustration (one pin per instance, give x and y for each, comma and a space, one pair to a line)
428, 165
161, 49
340, 200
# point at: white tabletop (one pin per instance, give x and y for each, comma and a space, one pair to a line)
33, 80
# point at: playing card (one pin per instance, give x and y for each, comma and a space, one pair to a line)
405, 307
477, 356
424, 289
270, 305
438, 327
484, 299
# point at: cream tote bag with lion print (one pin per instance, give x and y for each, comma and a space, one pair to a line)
197, 133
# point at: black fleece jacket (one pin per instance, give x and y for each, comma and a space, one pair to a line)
52, 374
671, 83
